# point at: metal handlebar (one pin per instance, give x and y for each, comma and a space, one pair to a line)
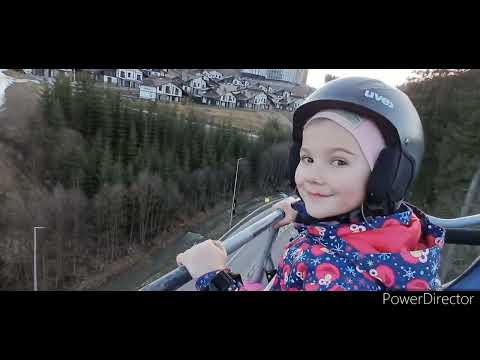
461, 222
180, 276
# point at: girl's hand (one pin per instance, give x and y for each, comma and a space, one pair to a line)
200, 259
290, 214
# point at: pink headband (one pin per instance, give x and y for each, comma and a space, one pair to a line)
364, 130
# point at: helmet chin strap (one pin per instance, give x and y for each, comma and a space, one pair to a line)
387, 207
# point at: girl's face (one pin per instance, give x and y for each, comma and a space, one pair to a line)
332, 174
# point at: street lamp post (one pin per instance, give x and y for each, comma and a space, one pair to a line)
234, 191
35, 288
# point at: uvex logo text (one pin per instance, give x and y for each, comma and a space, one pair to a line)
380, 98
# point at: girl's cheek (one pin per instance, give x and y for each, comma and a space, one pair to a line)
299, 175
302, 173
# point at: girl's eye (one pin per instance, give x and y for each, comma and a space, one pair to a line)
339, 163
307, 159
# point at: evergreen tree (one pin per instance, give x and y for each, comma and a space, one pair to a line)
107, 124
56, 116
91, 181
117, 173
106, 167
62, 91
132, 147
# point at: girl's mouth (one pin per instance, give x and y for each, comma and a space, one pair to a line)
318, 195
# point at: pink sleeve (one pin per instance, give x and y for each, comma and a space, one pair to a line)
251, 286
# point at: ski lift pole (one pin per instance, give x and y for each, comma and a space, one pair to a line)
178, 277
261, 261
234, 193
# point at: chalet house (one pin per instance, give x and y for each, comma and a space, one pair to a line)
168, 90
130, 78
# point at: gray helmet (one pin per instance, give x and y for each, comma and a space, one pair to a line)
396, 117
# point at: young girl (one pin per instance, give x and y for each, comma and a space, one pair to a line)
357, 147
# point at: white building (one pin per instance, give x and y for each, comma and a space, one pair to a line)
291, 103
263, 87
170, 91
294, 76
213, 75
195, 86
148, 92
275, 101
51, 74
228, 100
253, 99
255, 72
211, 97
260, 99
108, 76
161, 89
226, 87
131, 78
243, 83
155, 72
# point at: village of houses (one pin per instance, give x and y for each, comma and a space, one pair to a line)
254, 89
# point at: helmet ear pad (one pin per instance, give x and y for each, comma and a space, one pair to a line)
390, 180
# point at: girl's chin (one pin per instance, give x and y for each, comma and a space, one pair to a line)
319, 211
323, 215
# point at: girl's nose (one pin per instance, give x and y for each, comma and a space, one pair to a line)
316, 179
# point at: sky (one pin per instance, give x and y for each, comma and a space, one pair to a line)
392, 77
